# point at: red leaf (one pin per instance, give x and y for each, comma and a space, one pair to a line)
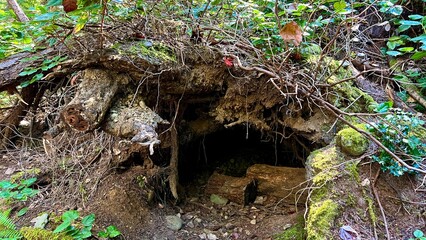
69, 5
229, 61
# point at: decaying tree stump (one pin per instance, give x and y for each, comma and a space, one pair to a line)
282, 182
236, 189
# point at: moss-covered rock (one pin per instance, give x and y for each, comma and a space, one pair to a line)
352, 142
320, 220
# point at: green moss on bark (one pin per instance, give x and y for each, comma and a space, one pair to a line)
320, 220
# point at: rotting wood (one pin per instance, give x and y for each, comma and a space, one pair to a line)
94, 95
174, 177
241, 190
18, 112
130, 118
285, 183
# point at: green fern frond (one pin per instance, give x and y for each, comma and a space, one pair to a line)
43, 234
6, 223
10, 234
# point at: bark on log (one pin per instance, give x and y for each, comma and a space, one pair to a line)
280, 182
93, 99
238, 190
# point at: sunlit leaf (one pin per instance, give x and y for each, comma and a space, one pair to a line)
292, 33
393, 53
410, 23
418, 55
339, 6
406, 49
52, 3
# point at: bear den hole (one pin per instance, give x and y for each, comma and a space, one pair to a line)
231, 151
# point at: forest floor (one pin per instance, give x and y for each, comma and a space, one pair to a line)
117, 199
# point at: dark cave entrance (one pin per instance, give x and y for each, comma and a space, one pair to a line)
230, 151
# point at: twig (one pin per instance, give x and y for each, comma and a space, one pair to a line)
376, 195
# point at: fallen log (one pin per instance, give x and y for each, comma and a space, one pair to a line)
282, 182
94, 96
236, 189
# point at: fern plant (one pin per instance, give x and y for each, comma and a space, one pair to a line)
8, 229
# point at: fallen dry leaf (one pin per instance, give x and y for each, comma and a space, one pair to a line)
69, 5
291, 33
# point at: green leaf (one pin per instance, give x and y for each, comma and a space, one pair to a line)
84, 233
103, 234
396, 10
383, 107
47, 16
28, 72
81, 23
421, 38
393, 53
113, 231
7, 185
418, 55
5, 194
52, 3
406, 49
418, 233
410, 23
29, 192
28, 182
403, 28
70, 215
63, 226
415, 17
22, 212
88, 220
339, 6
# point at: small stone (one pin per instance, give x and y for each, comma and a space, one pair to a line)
229, 226
190, 224
202, 236
198, 220
253, 222
9, 171
174, 222
366, 182
259, 200
247, 232
211, 236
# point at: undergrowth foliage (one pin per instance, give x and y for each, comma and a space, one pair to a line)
402, 133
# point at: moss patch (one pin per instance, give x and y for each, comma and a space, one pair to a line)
323, 164
155, 53
346, 96
320, 219
42, 234
351, 141
295, 232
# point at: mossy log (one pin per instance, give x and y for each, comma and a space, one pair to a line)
282, 182
239, 190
